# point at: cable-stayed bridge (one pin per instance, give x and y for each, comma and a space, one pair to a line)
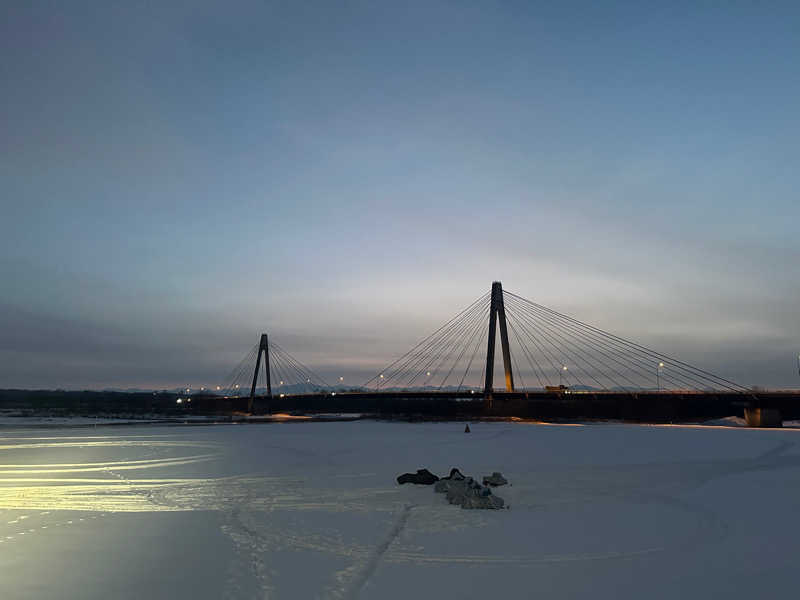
549, 359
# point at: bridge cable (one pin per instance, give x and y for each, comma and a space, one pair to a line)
425, 359
414, 357
731, 385
308, 370
453, 341
517, 370
574, 342
290, 370
540, 347
415, 354
633, 364
284, 374
576, 355
232, 376
467, 345
425, 340
527, 355
459, 343
579, 351
413, 362
679, 369
610, 352
305, 374
240, 369
483, 332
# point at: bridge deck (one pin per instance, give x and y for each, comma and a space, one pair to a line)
646, 405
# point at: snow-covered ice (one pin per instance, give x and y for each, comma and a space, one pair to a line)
312, 510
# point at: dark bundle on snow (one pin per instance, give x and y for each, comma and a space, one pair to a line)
443, 484
421, 477
466, 492
495, 479
461, 490
455, 474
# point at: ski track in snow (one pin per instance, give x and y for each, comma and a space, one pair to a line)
358, 575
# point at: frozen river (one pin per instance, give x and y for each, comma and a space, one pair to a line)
312, 510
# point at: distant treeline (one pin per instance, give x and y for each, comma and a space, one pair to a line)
650, 407
87, 403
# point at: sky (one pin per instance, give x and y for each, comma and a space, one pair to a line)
177, 177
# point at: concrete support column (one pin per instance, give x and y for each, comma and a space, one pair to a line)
497, 313
763, 417
263, 347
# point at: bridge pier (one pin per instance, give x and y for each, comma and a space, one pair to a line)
763, 417
497, 314
263, 348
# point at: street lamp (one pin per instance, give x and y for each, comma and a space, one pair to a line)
658, 375
379, 382
561, 375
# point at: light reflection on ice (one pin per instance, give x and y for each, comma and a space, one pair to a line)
27, 485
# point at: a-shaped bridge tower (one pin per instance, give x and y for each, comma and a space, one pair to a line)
497, 314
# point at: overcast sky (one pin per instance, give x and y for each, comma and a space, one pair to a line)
176, 177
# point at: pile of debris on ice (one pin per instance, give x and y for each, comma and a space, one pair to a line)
458, 489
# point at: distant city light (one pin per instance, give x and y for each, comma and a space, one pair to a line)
179, 401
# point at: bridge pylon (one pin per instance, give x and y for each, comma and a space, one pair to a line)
497, 314
263, 348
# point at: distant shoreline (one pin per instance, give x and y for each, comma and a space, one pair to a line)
97, 408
